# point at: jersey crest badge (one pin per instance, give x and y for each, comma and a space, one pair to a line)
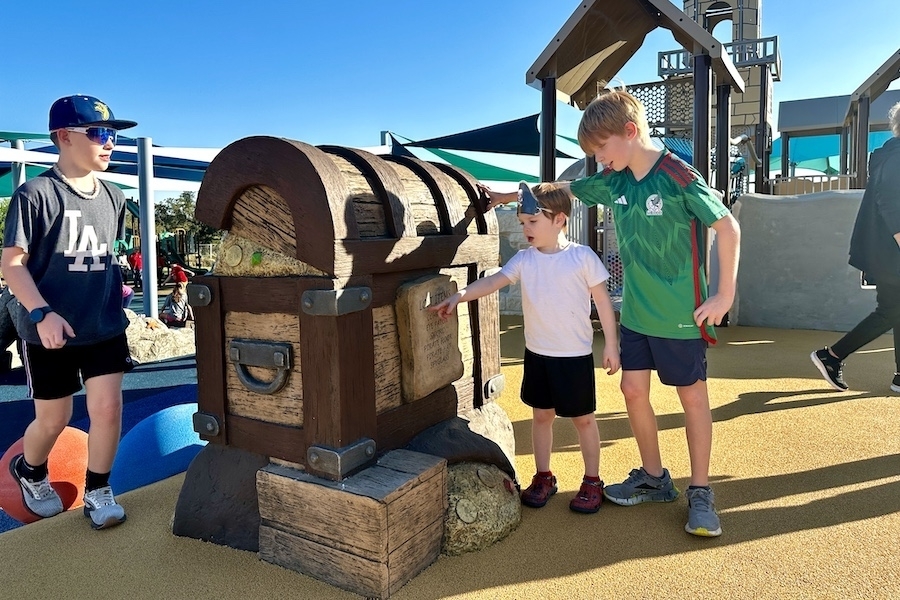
654, 205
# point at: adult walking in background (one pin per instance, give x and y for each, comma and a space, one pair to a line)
874, 250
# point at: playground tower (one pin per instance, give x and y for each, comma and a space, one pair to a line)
759, 63
757, 60
750, 53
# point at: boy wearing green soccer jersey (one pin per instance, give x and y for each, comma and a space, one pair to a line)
659, 204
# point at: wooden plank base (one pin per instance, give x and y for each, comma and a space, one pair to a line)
369, 534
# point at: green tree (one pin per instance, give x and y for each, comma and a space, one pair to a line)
4, 207
173, 213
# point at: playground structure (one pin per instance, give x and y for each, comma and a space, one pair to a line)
172, 248
598, 39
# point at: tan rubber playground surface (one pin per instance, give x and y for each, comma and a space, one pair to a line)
807, 483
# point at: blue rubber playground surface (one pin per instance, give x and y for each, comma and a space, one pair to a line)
147, 390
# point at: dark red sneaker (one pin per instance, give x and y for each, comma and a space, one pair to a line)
589, 497
540, 490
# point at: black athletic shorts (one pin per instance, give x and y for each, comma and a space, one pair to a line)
55, 373
678, 362
564, 384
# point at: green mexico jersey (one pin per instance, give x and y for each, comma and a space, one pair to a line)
653, 220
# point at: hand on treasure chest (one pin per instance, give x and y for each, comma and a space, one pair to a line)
446, 308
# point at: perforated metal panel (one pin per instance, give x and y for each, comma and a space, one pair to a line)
610, 254
669, 103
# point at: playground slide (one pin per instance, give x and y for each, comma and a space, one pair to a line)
173, 258
133, 208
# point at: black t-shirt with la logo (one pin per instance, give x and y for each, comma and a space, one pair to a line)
70, 242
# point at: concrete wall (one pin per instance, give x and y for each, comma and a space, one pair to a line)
511, 241
793, 272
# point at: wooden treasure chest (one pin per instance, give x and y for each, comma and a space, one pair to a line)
314, 343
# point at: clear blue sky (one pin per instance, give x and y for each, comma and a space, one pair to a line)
205, 73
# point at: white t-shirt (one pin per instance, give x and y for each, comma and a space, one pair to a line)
556, 297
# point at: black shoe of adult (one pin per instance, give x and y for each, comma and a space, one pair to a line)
895, 384
831, 369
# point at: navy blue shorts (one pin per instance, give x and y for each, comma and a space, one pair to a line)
54, 374
678, 362
564, 384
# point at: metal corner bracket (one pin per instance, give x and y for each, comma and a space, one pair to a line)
335, 464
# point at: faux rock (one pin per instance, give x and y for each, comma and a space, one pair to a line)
484, 507
483, 435
150, 340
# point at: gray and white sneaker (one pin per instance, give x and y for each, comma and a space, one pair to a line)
39, 496
642, 487
702, 517
101, 507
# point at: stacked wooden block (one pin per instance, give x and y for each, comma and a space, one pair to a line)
369, 534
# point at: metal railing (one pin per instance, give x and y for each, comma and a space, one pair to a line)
808, 184
744, 53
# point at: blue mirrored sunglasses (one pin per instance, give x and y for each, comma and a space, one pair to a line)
98, 135
528, 203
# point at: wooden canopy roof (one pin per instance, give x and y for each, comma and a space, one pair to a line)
601, 36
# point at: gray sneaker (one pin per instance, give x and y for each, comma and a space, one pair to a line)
39, 496
642, 487
702, 517
101, 506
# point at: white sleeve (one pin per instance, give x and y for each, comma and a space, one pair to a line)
594, 271
513, 267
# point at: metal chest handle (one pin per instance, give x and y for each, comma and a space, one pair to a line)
256, 353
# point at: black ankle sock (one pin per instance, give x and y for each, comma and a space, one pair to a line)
29, 472
698, 487
94, 481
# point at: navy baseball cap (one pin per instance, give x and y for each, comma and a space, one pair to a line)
84, 111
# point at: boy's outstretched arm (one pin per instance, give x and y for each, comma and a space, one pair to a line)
728, 239
607, 315
498, 198
473, 291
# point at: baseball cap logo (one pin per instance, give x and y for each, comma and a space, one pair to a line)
102, 109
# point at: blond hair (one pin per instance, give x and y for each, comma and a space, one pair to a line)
180, 291
607, 115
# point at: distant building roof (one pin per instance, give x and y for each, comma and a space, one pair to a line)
818, 116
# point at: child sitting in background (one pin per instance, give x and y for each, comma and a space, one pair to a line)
176, 311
